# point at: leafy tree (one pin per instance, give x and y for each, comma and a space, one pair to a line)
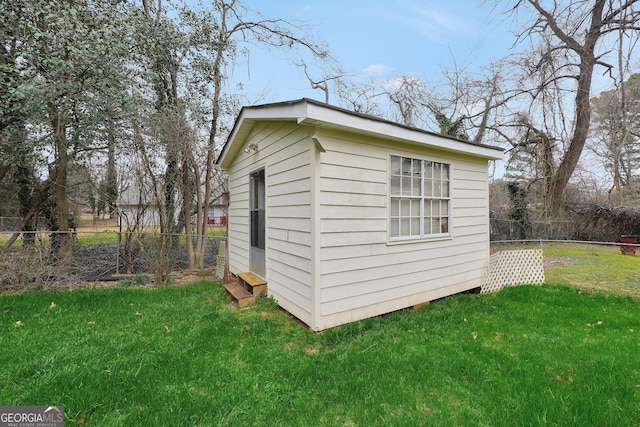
451, 127
16, 154
60, 62
518, 211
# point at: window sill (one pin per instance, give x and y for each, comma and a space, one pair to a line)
419, 240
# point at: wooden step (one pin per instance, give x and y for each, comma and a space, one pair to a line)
253, 284
243, 297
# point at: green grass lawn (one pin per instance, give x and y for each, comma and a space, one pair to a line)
593, 267
82, 237
180, 356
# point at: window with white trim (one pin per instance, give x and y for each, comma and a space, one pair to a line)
420, 198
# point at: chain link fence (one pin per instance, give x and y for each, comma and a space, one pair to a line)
10, 223
503, 229
98, 256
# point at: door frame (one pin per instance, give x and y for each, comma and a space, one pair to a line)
257, 222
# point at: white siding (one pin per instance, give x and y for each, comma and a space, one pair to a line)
328, 256
284, 151
361, 273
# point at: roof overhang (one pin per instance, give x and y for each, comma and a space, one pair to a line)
314, 113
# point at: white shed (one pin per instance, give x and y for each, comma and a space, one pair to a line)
348, 216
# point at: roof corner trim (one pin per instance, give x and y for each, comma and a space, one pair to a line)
317, 142
304, 121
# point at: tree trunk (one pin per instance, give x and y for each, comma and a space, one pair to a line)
211, 146
112, 176
27, 202
169, 193
61, 240
198, 253
547, 167
186, 203
560, 179
26, 195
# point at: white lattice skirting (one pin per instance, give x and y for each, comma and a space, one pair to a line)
510, 268
220, 260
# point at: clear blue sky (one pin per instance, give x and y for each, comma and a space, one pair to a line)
388, 37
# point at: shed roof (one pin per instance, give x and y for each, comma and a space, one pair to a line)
315, 113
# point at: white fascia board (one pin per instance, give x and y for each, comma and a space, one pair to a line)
313, 113
235, 142
329, 118
246, 120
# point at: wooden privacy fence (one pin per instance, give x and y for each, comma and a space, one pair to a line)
511, 268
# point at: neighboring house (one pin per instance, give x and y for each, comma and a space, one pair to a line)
135, 205
217, 214
348, 216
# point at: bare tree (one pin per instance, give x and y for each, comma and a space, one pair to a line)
465, 106
616, 131
361, 98
323, 82
571, 39
215, 34
531, 159
401, 98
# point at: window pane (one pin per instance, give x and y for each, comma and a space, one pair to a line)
427, 208
415, 227
404, 226
444, 227
253, 201
445, 188
427, 225
406, 166
416, 168
395, 207
395, 185
395, 165
395, 227
406, 186
437, 188
445, 180
254, 228
444, 210
417, 190
405, 206
435, 225
261, 232
261, 196
428, 188
428, 170
415, 208
437, 170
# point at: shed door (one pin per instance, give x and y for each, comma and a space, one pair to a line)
257, 223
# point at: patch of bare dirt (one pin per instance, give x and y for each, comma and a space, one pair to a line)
141, 280
551, 262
